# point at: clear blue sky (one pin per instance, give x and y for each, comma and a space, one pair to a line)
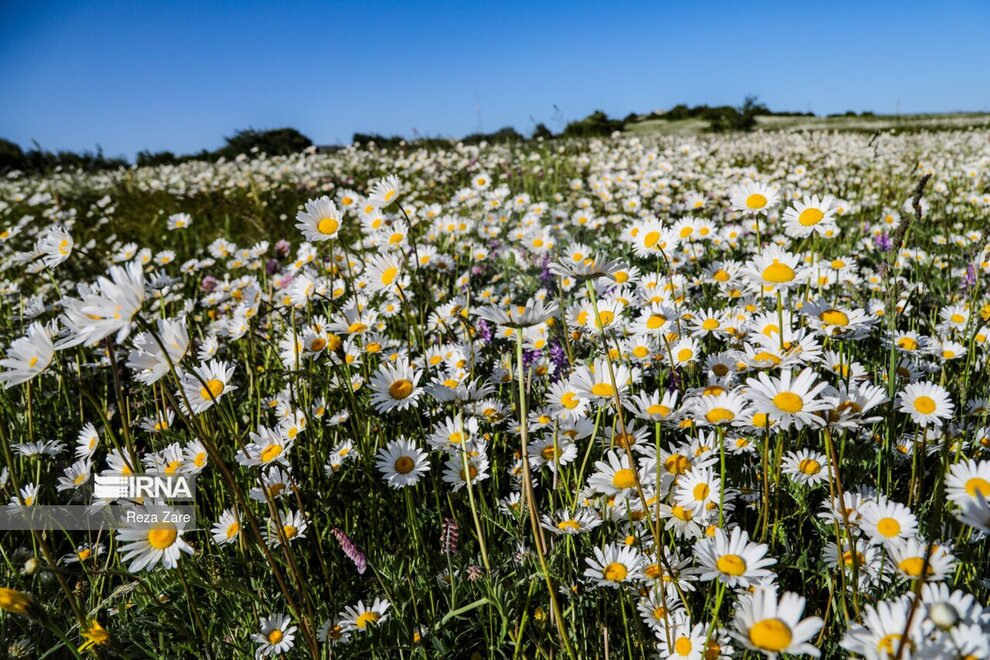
180, 75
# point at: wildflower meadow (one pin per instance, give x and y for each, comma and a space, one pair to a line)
710, 396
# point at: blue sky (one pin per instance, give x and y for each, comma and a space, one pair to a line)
181, 75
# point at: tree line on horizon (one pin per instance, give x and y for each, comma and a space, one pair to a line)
287, 141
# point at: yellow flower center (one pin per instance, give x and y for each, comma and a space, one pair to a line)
655, 321
810, 217
888, 527
275, 636
848, 558
887, 645
624, 478
651, 239
602, 389
789, 402
978, 486
400, 389
214, 388
389, 275
365, 618
327, 226
756, 201
683, 645
162, 536
925, 405
731, 564
624, 439
809, 466
770, 635
615, 572
659, 410
719, 415
701, 491
834, 317
778, 273
270, 453
677, 464
912, 566
404, 465
907, 343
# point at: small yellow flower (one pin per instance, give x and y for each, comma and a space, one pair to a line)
97, 635
18, 602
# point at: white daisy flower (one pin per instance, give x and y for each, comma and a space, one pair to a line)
771, 625
276, 636
320, 221
614, 567
927, 403
733, 559
402, 463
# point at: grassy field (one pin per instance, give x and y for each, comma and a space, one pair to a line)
887, 123
670, 393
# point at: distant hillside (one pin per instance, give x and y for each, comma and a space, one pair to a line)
865, 123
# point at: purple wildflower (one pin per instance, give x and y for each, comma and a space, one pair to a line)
969, 279
448, 537
559, 357
529, 357
546, 277
209, 283
351, 550
484, 331
883, 242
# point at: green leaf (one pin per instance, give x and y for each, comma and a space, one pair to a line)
461, 610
